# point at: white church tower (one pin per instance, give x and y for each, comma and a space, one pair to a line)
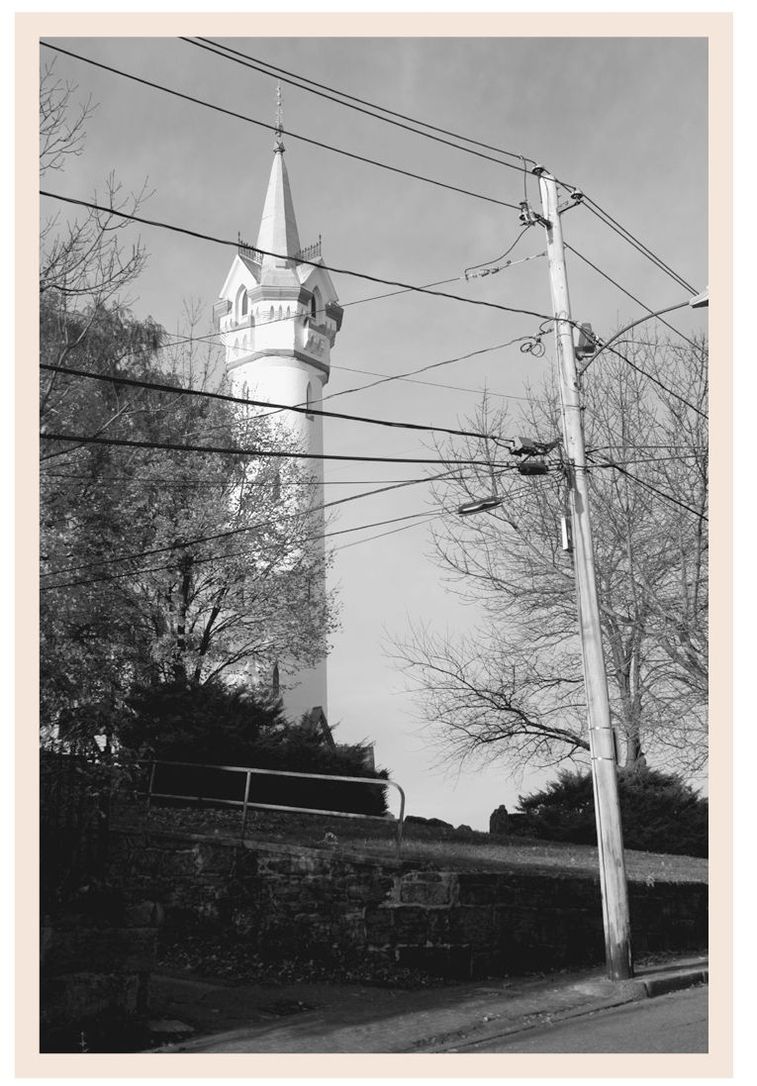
279, 318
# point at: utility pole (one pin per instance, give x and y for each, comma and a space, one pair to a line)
601, 736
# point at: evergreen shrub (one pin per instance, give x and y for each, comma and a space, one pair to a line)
659, 812
210, 724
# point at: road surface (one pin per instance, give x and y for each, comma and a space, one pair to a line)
671, 1023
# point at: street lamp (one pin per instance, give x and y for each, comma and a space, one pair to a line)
479, 505
699, 301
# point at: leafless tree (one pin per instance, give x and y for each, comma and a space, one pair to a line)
85, 261
513, 688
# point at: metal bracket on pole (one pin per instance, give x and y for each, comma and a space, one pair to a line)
602, 742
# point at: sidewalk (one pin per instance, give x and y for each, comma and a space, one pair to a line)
317, 1018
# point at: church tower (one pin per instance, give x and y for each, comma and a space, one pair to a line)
279, 318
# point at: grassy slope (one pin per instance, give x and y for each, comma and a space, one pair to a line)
427, 846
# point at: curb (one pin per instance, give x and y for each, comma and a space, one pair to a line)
656, 986
607, 995
645, 987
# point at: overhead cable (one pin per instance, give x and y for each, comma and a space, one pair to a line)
305, 139
283, 256
628, 293
233, 554
605, 217
86, 439
244, 529
274, 128
660, 384
155, 386
607, 463
346, 99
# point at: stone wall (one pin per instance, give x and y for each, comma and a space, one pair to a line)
96, 961
96, 949
287, 901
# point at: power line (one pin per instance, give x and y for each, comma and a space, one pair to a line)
299, 81
405, 287
273, 128
433, 384
253, 62
628, 293
219, 557
250, 120
85, 439
656, 490
656, 381
215, 337
283, 256
430, 366
659, 459
156, 386
196, 540
235, 554
201, 483
626, 234
393, 531
352, 102
666, 445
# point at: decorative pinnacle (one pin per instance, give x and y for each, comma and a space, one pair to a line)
279, 120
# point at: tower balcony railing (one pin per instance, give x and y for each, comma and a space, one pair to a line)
312, 252
249, 251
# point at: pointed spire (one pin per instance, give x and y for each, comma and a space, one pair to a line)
279, 145
278, 226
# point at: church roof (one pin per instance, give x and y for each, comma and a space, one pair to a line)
278, 226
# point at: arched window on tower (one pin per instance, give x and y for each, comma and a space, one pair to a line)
240, 308
309, 401
315, 304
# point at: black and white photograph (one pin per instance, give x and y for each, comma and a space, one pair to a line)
374, 528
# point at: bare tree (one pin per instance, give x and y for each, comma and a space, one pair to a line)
85, 261
514, 687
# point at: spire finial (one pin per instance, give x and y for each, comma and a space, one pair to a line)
279, 119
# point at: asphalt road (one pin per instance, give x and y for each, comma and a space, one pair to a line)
671, 1023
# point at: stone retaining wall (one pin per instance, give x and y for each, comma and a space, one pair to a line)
95, 965
286, 901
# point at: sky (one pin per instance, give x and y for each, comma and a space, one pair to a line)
625, 120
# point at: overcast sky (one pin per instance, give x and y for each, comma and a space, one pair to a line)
625, 120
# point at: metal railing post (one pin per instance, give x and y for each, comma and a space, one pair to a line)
401, 819
152, 780
248, 778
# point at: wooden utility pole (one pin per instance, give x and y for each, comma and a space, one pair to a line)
601, 736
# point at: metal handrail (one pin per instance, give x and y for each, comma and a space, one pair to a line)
246, 803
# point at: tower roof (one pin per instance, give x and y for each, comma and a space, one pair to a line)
278, 226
